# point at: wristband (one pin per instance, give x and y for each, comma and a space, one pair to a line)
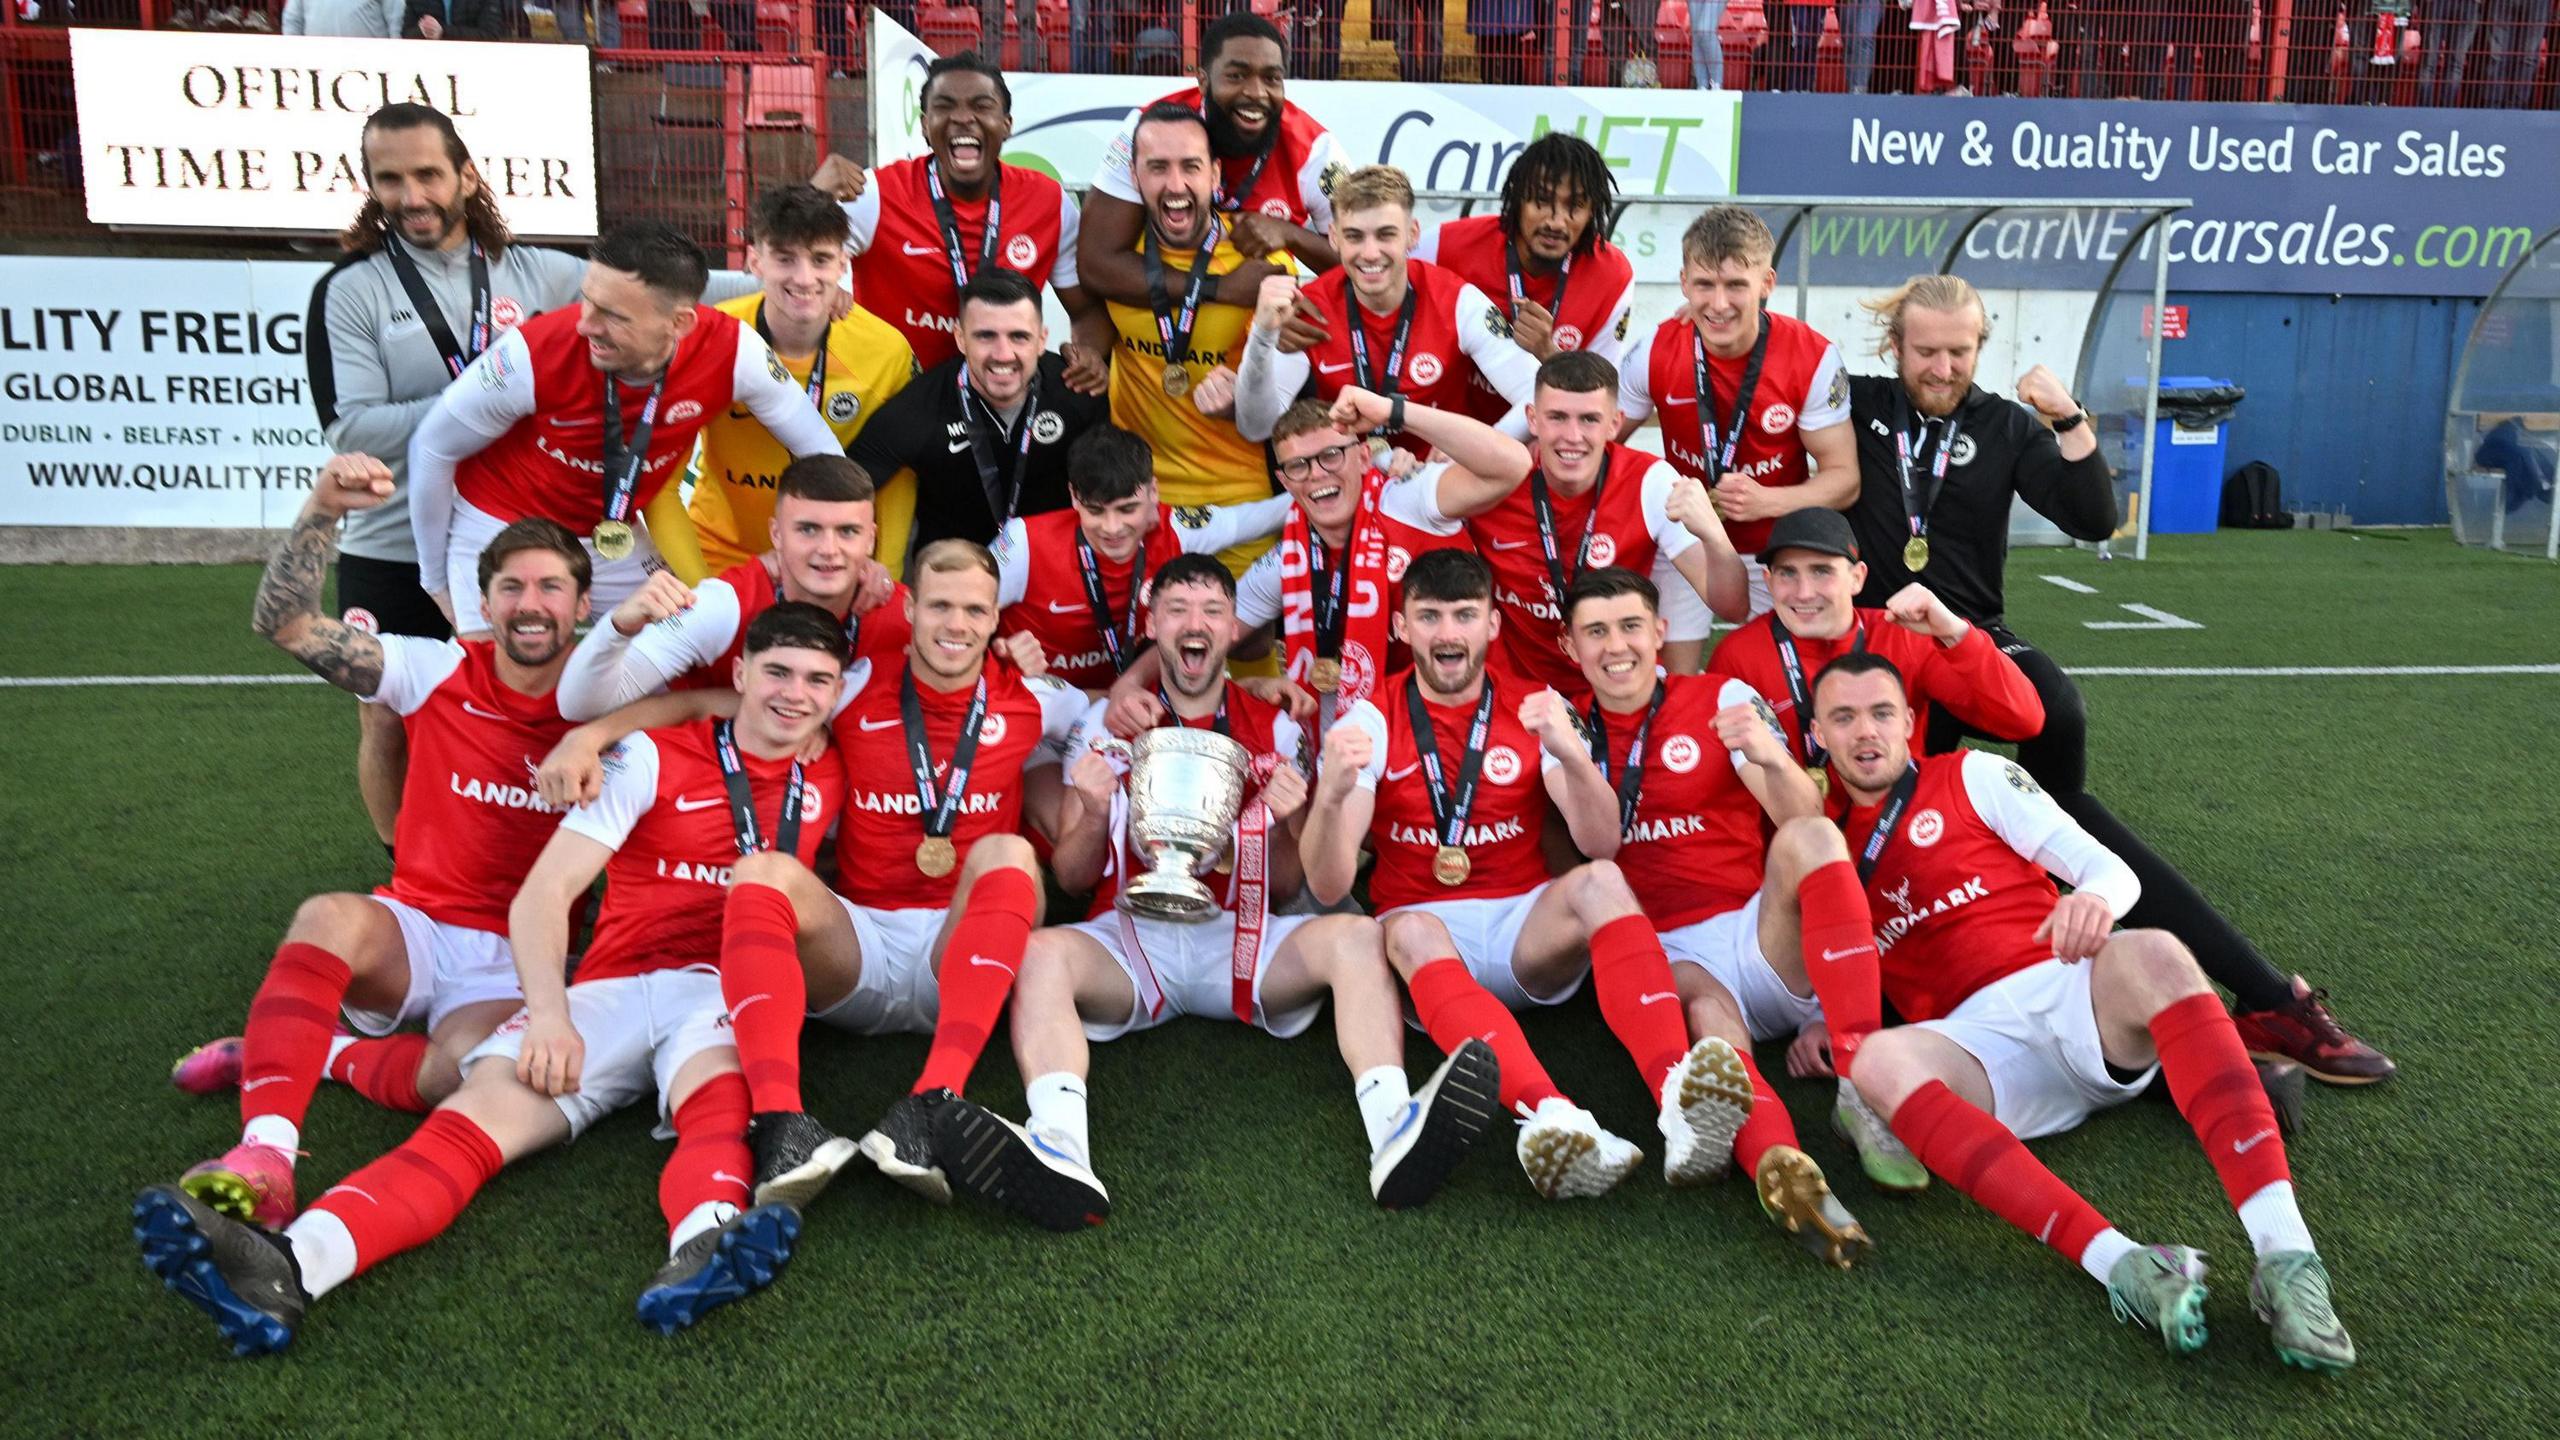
1395, 415
2065, 427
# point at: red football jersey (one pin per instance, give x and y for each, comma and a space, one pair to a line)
880, 635
471, 822
1053, 607
1984, 688
1599, 293
1696, 850
1295, 184
551, 462
1801, 387
903, 273
665, 814
884, 818
1505, 825
1956, 906
1633, 526
1436, 370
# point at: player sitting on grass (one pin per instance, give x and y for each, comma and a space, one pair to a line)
431, 946
679, 808
2030, 1011
1116, 974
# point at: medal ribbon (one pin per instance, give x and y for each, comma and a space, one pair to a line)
1888, 822
1718, 447
942, 811
1217, 722
1511, 273
1120, 643
431, 315
1915, 506
1369, 380
962, 272
1176, 333
1220, 198
1449, 808
1557, 579
1800, 690
1630, 785
742, 800
1001, 498
624, 460
817, 368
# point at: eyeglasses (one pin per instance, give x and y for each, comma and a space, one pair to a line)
1328, 459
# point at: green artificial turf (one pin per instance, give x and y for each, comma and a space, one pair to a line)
2392, 836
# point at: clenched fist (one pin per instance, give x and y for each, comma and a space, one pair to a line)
661, 596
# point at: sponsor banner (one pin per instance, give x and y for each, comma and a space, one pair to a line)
182, 130
1446, 137
2301, 199
155, 392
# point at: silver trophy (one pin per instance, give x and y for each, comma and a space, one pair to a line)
1185, 788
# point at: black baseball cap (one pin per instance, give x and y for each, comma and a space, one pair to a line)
1812, 528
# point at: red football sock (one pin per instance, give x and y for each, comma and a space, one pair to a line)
1768, 1124
2218, 1090
1632, 979
1979, 1156
710, 1161
384, 1071
978, 967
1840, 957
767, 993
411, 1195
1454, 1009
291, 1022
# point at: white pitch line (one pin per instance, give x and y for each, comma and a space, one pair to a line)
2275, 671
66, 682
2067, 583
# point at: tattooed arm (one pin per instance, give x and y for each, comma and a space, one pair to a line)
288, 606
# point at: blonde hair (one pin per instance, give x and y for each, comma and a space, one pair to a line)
1727, 232
1301, 418
946, 557
1949, 294
1371, 186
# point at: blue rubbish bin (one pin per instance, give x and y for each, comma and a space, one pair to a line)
2187, 458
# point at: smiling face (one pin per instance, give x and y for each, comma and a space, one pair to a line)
785, 693
415, 181
1570, 431
965, 126
1865, 722
1815, 593
954, 614
1450, 640
1616, 640
533, 605
1936, 355
1723, 301
630, 329
818, 543
1175, 179
1116, 528
1001, 345
1193, 624
1244, 86
799, 277
1320, 469
1374, 242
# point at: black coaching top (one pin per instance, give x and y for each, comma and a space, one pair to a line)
929, 429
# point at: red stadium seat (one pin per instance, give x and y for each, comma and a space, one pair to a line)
781, 97
949, 29
776, 27
1671, 44
1744, 29
1831, 58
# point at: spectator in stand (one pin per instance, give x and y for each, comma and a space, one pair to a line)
1316, 52
1412, 29
369, 19
1858, 20
1800, 43
1706, 47
2516, 28
1617, 40
1771, 63
570, 17
460, 20
1934, 22
1505, 32
2453, 27
677, 24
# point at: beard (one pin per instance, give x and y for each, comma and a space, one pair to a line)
1227, 141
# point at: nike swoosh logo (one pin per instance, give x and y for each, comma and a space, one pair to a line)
248, 1085
990, 964
1657, 996
1057, 609
732, 1179
1510, 544
2238, 1147
1324, 369
959, 445
682, 804
470, 709
878, 725
348, 1190
1843, 954
919, 249
1408, 770
572, 423
741, 1007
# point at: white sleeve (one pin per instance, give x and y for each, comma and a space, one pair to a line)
1089, 734
412, 668
1266, 382
1415, 501
1062, 711
1324, 157
1289, 742
1826, 400
1233, 525
1635, 385
1368, 717
1063, 274
630, 789
2018, 810
1013, 563
609, 670
1258, 593
862, 212
1739, 692
856, 676
1670, 537
1512, 371
759, 382
491, 395
1116, 179
1611, 343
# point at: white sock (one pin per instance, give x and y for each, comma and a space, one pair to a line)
2274, 1221
1056, 1101
324, 1250
1382, 1094
338, 1046
709, 1215
2110, 1246
273, 1130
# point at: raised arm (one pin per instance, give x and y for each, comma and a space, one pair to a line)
473, 412
1345, 799
287, 611
2062, 474
1485, 464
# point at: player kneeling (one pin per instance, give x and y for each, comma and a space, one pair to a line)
2030, 1012
1446, 774
679, 807
1117, 973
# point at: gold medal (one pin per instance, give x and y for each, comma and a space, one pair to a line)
1915, 556
1177, 380
935, 856
1821, 778
614, 540
1449, 866
1325, 675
